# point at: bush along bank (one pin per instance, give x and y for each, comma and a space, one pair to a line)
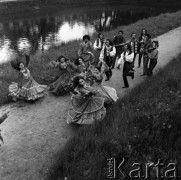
143, 127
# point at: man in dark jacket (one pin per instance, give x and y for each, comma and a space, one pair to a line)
118, 42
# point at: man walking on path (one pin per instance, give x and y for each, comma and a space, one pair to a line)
134, 45
144, 50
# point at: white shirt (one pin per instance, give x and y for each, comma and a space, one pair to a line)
111, 53
128, 57
97, 45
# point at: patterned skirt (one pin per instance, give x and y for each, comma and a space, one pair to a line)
108, 93
62, 85
30, 90
86, 110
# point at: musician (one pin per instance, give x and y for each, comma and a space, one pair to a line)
134, 45
98, 44
127, 57
118, 42
107, 54
141, 44
153, 57
144, 51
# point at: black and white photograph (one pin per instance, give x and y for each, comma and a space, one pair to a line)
90, 89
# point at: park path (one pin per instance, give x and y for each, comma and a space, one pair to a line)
34, 133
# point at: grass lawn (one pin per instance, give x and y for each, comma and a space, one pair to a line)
144, 127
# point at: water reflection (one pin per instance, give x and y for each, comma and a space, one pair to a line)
6, 52
39, 33
68, 32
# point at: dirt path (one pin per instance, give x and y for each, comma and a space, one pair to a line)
33, 133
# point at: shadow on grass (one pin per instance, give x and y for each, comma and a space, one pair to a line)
143, 126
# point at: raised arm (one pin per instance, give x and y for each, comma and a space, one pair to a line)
27, 60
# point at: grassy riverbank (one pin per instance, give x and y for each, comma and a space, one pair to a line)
38, 65
144, 127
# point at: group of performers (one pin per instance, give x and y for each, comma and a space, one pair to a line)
82, 78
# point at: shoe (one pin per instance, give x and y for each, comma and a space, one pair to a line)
110, 75
132, 76
118, 67
138, 67
125, 87
107, 79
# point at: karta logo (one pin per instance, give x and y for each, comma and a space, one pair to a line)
149, 170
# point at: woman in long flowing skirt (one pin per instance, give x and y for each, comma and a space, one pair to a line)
27, 88
88, 104
62, 85
107, 92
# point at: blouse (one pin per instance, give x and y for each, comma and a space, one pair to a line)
126, 57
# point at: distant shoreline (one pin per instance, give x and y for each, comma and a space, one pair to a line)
27, 6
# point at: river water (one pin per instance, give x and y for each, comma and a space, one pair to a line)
39, 31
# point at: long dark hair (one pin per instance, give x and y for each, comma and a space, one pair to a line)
75, 81
16, 62
77, 60
86, 37
128, 48
146, 32
60, 57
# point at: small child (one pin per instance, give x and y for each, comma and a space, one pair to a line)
153, 57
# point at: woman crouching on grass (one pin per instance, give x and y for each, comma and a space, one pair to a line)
127, 57
27, 88
87, 103
153, 57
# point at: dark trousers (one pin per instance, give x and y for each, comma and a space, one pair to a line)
135, 54
139, 59
113, 62
145, 65
126, 72
108, 61
153, 63
97, 54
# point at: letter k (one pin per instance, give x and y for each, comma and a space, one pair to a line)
120, 168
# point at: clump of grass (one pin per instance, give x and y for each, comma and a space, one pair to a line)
38, 65
145, 126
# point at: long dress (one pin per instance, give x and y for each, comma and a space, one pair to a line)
27, 88
88, 107
62, 85
86, 52
107, 92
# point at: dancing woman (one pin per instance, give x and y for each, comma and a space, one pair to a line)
127, 57
79, 62
68, 70
27, 88
87, 104
107, 92
86, 50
